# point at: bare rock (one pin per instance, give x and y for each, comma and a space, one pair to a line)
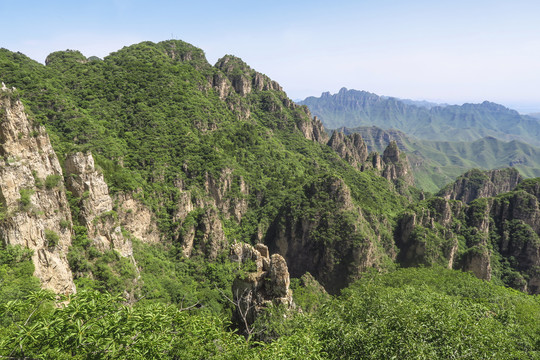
35, 207
351, 148
97, 213
135, 217
267, 284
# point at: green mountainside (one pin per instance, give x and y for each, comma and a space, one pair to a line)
468, 122
153, 205
436, 163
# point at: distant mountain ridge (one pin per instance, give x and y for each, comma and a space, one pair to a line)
467, 122
435, 163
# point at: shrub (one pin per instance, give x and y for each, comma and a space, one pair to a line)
52, 181
51, 237
25, 198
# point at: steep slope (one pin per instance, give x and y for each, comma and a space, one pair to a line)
468, 122
35, 210
494, 237
218, 153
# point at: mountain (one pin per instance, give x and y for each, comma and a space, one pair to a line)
468, 122
206, 155
436, 163
480, 226
170, 208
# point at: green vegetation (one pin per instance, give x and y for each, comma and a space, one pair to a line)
52, 181
407, 314
164, 126
52, 238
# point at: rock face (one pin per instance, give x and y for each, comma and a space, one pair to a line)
242, 78
326, 235
396, 165
137, 218
35, 209
218, 189
267, 283
200, 228
313, 129
507, 225
350, 147
476, 184
97, 213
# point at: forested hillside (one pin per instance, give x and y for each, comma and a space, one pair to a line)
155, 206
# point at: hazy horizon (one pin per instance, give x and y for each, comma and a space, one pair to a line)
448, 51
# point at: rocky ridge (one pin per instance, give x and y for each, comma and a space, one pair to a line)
501, 235
476, 184
97, 214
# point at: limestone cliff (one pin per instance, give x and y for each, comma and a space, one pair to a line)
500, 236
327, 235
97, 214
235, 77
349, 147
267, 283
476, 184
136, 218
34, 206
396, 165
200, 230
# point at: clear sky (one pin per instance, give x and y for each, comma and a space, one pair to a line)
446, 51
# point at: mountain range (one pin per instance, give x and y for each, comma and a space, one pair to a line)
441, 141
467, 122
437, 163
153, 205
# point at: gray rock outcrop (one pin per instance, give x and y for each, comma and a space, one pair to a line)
267, 284
97, 213
35, 209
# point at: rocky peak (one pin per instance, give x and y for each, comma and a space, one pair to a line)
476, 184
97, 214
267, 283
391, 153
350, 147
243, 78
35, 210
182, 51
396, 165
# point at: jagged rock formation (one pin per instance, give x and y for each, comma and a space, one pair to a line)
238, 78
416, 245
242, 78
507, 225
267, 283
137, 218
35, 210
203, 233
349, 147
218, 189
393, 165
476, 184
332, 239
85, 182
313, 130
396, 165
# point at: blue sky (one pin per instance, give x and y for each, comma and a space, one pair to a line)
445, 51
